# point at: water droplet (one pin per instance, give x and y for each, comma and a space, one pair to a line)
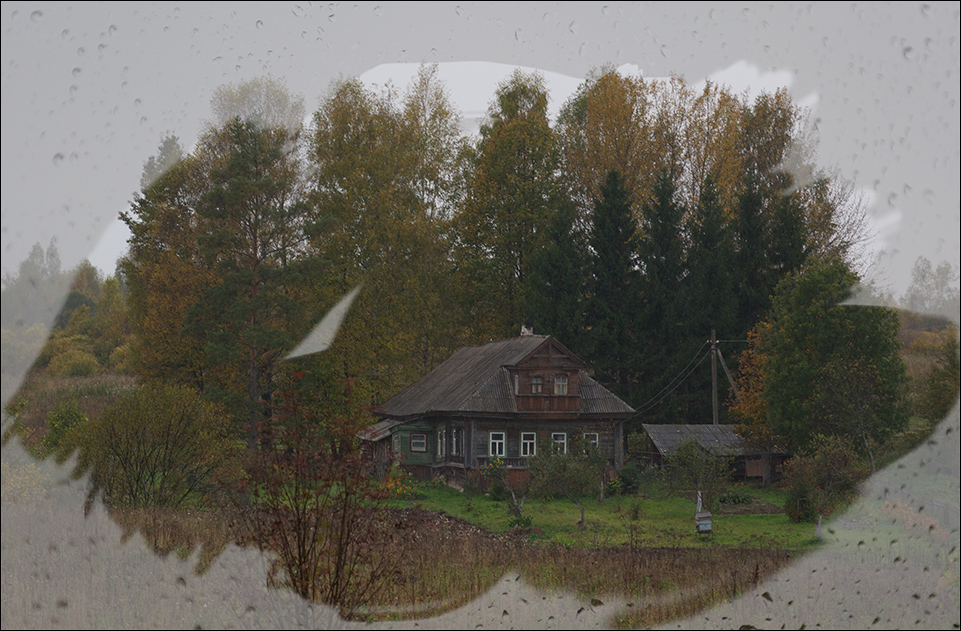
73, 89
378, 10
908, 52
64, 33
573, 27
111, 29
136, 102
260, 24
143, 120
36, 16
57, 159
76, 72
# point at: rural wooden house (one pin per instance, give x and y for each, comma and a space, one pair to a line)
497, 400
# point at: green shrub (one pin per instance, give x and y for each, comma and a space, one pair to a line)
61, 430
163, 447
74, 363
523, 521
629, 475
121, 360
735, 497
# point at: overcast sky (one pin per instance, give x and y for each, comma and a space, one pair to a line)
89, 89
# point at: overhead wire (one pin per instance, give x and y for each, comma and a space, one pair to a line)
676, 381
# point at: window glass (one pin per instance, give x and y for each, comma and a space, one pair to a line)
560, 442
528, 444
497, 444
560, 384
537, 384
418, 442
455, 441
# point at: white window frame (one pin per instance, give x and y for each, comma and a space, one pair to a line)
421, 440
497, 447
441, 442
528, 444
560, 384
559, 440
593, 438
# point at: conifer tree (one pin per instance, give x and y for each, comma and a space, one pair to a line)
613, 299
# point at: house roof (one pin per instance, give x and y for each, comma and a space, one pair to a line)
476, 379
379, 430
718, 440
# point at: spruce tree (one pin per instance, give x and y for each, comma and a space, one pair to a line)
612, 302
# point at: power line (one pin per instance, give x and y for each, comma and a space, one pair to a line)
676, 381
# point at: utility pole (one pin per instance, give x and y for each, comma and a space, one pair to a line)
714, 375
716, 355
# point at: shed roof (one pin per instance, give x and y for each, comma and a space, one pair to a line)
719, 440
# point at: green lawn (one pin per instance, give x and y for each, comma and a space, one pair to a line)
656, 522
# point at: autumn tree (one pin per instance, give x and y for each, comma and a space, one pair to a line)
216, 258
163, 269
605, 126
163, 447
512, 190
252, 238
319, 508
939, 391
384, 183
821, 479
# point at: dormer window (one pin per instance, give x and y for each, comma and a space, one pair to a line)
537, 385
560, 384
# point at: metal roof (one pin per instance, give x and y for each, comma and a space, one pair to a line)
379, 430
719, 440
476, 379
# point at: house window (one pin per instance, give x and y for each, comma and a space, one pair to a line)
560, 442
592, 438
456, 436
528, 444
498, 441
560, 384
537, 385
441, 442
418, 442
